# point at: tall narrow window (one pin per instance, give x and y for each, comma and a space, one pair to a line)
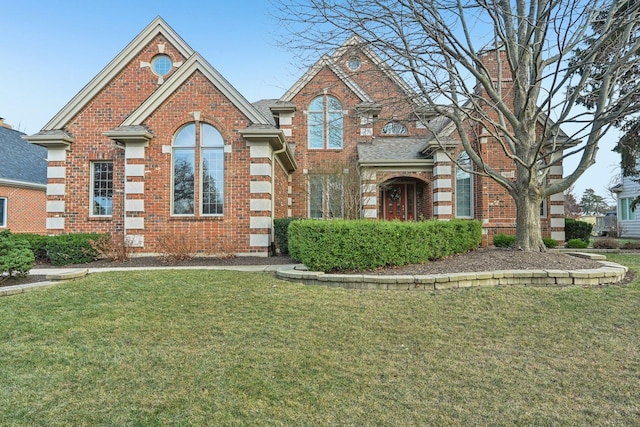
626, 213
464, 205
184, 171
3, 212
207, 144
325, 196
212, 163
102, 188
325, 123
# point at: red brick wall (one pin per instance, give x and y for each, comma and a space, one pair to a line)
26, 209
229, 233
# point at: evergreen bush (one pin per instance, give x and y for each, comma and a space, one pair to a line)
16, 258
576, 244
75, 248
281, 231
503, 240
574, 229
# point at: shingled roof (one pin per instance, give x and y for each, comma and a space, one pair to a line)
21, 161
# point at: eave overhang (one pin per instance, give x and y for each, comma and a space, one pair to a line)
51, 139
276, 139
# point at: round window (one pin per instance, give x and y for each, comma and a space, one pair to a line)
161, 65
354, 63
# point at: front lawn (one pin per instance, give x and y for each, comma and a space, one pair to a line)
230, 348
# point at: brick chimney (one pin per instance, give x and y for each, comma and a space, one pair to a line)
3, 124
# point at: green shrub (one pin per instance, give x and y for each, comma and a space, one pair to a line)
550, 243
367, 244
576, 244
37, 243
503, 240
606, 243
574, 229
16, 258
66, 249
281, 231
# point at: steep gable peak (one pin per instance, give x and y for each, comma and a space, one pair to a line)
157, 27
328, 62
195, 63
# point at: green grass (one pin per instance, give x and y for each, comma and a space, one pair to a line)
229, 348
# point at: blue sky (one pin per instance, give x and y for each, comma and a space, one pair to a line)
51, 49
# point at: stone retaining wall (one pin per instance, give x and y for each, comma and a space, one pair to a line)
609, 273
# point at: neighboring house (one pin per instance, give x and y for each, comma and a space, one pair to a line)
628, 220
23, 183
159, 144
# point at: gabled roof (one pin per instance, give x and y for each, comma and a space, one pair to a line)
191, 65
21, 162
390, 149
355, 41
78, 102
326, 61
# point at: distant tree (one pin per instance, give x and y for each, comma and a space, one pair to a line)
440, 46
571, 207
592, 203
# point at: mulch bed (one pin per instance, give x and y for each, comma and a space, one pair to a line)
487, 259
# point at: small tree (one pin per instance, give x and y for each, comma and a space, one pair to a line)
571, 207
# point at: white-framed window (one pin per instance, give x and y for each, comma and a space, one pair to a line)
325, 196
101, 188
3, 212
625, 213
202, 146
394, 128
325, 123
464, 187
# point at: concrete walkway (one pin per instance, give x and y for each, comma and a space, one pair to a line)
609, 273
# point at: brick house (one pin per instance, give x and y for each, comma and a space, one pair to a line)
160, 144
23, 183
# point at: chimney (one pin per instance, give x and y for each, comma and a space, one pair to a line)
3, 124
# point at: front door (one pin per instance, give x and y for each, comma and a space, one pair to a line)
399, 202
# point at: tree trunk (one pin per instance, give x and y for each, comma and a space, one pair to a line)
528, 232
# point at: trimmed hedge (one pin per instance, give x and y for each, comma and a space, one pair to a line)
66, 249
367, 244
62, 249
574, 229
281, 230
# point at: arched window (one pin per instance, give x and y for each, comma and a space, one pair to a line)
202, 146
464, 199
394, 128
325, 123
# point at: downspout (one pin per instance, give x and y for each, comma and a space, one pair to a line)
273, 194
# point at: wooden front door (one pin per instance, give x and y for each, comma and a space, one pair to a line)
399, 202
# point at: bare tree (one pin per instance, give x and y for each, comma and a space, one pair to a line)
441, 48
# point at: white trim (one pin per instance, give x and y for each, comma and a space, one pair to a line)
261, 240
134, 223
91, 187
156, 27
326, 61
3, 217
55, 205
56, 223
181, 75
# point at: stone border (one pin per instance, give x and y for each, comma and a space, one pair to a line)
608, 274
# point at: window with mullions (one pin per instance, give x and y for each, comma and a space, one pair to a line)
325, 196
207, 143
626, 212
464, 205
394, 128
325, 123
101, 188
